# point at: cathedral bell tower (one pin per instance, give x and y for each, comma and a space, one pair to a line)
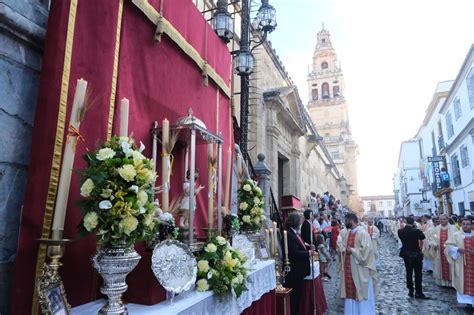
329, 111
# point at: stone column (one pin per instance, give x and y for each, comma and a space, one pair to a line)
263, 174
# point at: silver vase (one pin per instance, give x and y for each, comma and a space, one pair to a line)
114, 264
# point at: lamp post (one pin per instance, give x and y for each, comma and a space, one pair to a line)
244, 60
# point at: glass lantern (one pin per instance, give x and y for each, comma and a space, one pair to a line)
244, 63
222, 22
266, 17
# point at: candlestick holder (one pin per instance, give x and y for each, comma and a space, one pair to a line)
281, 270
50, 288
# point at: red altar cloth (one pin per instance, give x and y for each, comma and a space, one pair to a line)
160, 81
265, 306
306, 301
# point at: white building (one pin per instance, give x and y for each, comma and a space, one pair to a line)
380, 206
410, 183
458, 135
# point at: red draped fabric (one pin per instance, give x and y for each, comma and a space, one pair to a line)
160, 81
349, 281
443, 237
306, 304
266, 305
469, 266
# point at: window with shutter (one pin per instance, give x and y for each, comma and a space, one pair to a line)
457, 109
464, 156
449, 125
470, 87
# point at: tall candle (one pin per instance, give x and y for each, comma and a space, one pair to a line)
210, 185
165, 164
285, 238
227, 179
267, 238
272, 242
68, 160
275, 237
124, 106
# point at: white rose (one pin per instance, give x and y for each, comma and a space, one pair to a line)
105, 154
203, 266
240, 277
127, 172
166, 217
91, 220
210, 248
124, 139
106, 193
221, 240
247, 187
202, 285
259, 191
142, 197
235, 281
87, 187
137, 156
129, 224
243, 206
256, 220
246, 218
105, 204
256, 201
142, 210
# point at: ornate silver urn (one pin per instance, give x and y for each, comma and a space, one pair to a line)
114, 264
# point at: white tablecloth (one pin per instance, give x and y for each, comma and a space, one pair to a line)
316, 271
261, 280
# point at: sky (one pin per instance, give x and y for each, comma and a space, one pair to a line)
392, 53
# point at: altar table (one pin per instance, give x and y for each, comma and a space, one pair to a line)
320, 298
258, 299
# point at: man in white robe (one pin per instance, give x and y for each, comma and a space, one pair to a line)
424, 245
438, 237
358, 268
459, 252
374, 233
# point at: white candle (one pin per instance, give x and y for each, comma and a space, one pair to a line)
210, 186
272, 242
68, 160
165, 164
267, 239
285, 238
124, 107
227, 179
275, 237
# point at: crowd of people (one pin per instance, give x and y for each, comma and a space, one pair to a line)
441, 245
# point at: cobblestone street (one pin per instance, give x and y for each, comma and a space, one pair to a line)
392, 296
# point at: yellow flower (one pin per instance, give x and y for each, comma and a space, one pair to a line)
220, 240
142, 197
202, 285
256, 220
203, 266
105, 154
129, 224
246, 218
87, 187
91, 219
247, 187
231, 263
255, 210
243, 206
127, 172
210, 248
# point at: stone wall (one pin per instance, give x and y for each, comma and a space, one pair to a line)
22, 32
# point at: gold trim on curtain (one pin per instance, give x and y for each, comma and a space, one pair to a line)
154, 16
58, 146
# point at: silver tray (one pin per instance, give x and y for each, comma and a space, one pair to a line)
174, 265
246, 246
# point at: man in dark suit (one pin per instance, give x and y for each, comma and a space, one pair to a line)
298, 255
412, 256
306, 227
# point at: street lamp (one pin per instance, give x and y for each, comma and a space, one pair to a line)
244, 60
222, 22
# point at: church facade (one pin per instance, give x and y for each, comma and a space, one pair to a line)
329, 111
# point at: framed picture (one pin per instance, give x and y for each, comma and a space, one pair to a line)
51, 293
263, 251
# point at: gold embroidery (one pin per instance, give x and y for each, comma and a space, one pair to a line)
113, 92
